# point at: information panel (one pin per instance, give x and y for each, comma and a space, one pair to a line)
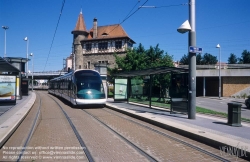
120, 89
7, 88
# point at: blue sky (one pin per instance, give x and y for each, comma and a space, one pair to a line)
226, 22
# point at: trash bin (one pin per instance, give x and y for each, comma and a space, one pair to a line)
234, 114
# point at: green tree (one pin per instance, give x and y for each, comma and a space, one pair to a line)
154, 56
199, 60
232, 59
139, 58
245, 57
184, 60
135, 59
209, 59
206, 59
140, 49
132, 61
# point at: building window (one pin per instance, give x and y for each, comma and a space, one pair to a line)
88, 47
103, 46
88, 65
103, 62
129, 44
118, 44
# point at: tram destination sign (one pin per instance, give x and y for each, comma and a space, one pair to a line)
193, 49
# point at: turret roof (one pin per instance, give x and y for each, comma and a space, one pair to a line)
80, 24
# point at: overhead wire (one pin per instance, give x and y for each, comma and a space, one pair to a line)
133, 8
54, 34
182, 4
128, 16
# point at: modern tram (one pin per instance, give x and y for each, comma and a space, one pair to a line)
80, 87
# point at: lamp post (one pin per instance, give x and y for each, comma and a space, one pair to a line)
27, 57
31, 54
218, 46
186, 27
5, 28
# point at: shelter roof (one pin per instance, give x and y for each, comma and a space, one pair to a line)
152, 71
16, 59
5, 66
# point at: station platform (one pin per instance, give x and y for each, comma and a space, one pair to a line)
13, 115
210, 130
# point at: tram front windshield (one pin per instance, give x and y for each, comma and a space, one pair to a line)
89, 82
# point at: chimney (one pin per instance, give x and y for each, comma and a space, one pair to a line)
95, 28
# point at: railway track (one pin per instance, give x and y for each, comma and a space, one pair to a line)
98, 134
213, 154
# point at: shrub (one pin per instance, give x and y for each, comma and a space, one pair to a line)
244, 95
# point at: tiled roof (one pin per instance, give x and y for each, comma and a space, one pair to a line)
80, 24
103, 32
109, 31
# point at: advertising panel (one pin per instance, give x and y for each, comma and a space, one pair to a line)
7, 88
179, 92
120, 89
179, 85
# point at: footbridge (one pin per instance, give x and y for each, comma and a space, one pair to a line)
46, 75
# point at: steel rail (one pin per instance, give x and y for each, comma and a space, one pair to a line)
83, 145
31, 131
146, 155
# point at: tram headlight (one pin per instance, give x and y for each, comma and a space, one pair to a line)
89, 92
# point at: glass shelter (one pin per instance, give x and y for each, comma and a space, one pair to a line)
164, 87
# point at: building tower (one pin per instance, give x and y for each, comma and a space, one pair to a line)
79, 33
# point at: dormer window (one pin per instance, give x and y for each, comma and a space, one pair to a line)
104, 34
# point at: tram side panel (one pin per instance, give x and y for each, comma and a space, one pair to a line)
82, 87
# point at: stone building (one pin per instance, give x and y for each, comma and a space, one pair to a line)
67, 65
98, 45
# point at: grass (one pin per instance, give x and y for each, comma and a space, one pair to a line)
212, 112
198, 109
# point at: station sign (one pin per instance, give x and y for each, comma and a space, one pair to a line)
193, 49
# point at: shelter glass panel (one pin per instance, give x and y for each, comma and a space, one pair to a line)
120, 92
159, 93
139, 91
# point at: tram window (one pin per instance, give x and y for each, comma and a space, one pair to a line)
69, 85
